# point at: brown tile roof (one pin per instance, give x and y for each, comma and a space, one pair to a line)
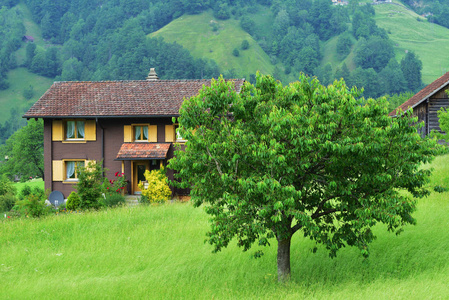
423, 94
117, 98
134, 151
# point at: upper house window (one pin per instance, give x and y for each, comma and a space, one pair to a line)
74, 130
141, 133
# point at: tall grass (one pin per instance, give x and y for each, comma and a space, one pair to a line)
158, 252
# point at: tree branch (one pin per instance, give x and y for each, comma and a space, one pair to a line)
216, 162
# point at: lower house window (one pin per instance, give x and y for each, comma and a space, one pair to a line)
74, 130
71, 169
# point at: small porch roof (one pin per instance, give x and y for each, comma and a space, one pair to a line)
143, 151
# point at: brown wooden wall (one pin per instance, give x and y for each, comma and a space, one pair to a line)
113, 136
436, 102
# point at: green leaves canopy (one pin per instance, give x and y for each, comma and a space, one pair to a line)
272, 160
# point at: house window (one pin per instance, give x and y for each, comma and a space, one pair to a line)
141, 133
72, 168
74, 130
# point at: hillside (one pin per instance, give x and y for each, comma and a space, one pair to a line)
429, 41
196, 34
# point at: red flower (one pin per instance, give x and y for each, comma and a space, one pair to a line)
122, 187
118, 190
9, 217
107, 188
116, 173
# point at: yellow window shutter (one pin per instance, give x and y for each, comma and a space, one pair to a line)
90, 130
86, 163
169, 133
58, 170
152, 132
128, 133
57, 131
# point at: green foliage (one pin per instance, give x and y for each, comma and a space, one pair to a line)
344, 44
25, 149
158, 190
113, 199
118, 185
7, 202
303, 157
73, 201
395, 100
6, 186
236, 52
89, 184
244, 45
28, 92
411, 67
32, 206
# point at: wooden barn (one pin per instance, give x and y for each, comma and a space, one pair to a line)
427, 102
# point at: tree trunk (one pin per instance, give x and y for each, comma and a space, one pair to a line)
283, 259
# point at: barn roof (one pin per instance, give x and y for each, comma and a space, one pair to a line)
423, 94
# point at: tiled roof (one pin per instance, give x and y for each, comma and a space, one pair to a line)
117, 98
423, 94
143, 151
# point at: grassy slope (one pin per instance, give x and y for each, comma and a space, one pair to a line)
21, 78
158, 252
429, 41
194, 33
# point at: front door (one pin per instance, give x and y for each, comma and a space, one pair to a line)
139, 168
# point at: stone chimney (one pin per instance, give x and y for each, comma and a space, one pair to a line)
152, 76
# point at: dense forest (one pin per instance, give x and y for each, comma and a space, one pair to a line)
107, 40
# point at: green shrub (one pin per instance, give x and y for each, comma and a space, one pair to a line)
113, 199
73, 201
7, 202
244, 45
32, 206
6, 186
236, 52
158, 190
26, 190
89, 186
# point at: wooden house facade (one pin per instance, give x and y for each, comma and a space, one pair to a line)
126, 125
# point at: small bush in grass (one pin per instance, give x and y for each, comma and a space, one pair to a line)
113, 199
32, 206
236, 52
73, 201
6, 186
7, 202
244, 45
158, 190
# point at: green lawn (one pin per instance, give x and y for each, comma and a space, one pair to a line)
158, 252
429, 41
32, 183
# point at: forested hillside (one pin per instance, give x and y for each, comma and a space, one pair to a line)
119, 40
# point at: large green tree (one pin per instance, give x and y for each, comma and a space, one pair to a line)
271, 161
23, 152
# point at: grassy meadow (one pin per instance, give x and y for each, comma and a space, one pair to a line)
158, 252
426, 39
195, 33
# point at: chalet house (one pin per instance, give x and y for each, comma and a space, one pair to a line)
427, 102
126, 124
